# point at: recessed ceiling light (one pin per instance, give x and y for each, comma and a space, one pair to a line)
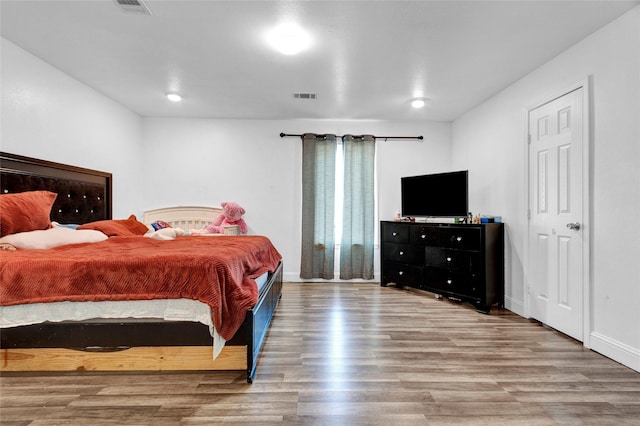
418, 102
288, 39
174, 97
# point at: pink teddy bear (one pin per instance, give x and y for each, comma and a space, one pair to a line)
231, 215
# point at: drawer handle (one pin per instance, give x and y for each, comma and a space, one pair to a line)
458, 239
401, 253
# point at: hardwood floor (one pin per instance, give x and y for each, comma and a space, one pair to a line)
358, 354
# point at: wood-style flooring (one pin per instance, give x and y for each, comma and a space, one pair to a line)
358, 354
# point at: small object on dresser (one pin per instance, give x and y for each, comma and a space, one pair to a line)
491, 219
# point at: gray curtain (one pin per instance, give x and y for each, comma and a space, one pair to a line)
356, 247
318, 204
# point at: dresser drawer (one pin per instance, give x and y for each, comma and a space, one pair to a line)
451, 283
425, 235
452, 260
395, 233
402, 274
461, 238
404, 253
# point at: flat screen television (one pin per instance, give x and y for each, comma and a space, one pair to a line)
436, 195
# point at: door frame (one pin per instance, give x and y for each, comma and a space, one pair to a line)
587, 191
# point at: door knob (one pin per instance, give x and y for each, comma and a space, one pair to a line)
575, 226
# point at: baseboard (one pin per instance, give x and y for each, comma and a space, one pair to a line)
514, 305
619, 352
294, 277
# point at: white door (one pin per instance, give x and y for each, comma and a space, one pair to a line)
555, 229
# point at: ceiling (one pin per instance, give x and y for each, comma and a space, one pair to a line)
366, 61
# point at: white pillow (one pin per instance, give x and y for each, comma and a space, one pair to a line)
48, 238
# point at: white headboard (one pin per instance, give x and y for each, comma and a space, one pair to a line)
185, 217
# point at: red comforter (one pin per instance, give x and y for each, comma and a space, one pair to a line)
215, 270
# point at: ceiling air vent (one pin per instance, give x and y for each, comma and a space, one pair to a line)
304, 95
133, 6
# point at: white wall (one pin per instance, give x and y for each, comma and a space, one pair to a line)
490, 141
49, 115
207, 161
158, 162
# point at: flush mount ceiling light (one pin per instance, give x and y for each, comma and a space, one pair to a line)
174, 97
418, 102
288, 39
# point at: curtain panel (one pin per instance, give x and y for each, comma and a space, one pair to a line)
358, 226
318, 205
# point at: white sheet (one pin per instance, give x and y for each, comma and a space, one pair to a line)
167, 309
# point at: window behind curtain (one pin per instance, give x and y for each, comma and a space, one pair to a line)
338, 198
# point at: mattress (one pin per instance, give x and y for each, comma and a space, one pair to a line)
165, 309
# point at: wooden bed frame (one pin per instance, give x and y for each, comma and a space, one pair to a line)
84, 195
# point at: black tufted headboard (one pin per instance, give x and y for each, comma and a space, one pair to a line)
84, 195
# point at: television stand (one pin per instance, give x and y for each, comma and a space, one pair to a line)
462, 262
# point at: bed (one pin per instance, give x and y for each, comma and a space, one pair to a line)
126, 335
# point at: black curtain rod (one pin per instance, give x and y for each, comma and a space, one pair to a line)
282, 135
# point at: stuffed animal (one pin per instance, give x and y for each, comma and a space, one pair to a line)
231, 215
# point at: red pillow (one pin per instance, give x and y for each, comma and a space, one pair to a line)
25, 211
118, 227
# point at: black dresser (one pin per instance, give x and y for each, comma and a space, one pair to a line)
458, 261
